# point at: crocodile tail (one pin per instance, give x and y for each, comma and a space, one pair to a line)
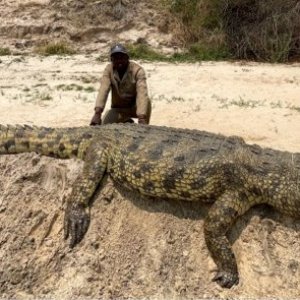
54, 142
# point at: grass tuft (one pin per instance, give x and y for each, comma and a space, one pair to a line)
199, 52
5, 51
194, 53
57, 48
145, 52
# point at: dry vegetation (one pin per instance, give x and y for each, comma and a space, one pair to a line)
264, 30
166, 30
245, 29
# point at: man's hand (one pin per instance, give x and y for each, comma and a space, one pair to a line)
76, 222
142, 119
96, 120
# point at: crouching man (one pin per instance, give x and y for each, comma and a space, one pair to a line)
127, 82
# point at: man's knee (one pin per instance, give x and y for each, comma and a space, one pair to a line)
111, 116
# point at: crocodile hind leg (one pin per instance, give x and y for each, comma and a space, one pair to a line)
220, 219
77, 216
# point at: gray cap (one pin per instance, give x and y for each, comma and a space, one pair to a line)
118, 48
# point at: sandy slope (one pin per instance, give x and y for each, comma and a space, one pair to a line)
141, 248
86, 26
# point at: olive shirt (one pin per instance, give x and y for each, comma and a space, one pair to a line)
129, 92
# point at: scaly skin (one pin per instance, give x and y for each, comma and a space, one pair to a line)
171, 163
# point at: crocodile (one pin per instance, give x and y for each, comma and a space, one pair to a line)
172, 163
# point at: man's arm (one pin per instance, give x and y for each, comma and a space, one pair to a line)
102, 96
142, 98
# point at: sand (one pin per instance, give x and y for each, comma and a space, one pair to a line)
259, 102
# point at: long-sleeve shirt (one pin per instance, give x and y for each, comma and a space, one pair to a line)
128, 92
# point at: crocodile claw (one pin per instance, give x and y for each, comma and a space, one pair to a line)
226, 279
76, 223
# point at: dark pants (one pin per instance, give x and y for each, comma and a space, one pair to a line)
122, 115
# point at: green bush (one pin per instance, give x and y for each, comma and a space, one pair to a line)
144, 52
195, 52
203, 52
56, 48
4, 51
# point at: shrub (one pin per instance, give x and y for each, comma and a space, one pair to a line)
204, 52
197, 22
194, 52
264, 30
144, 52
56, 48
4, 51
267, 30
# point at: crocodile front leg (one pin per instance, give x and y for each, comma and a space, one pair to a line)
77, 214
221, 217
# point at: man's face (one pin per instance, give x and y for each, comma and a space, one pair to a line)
120, 61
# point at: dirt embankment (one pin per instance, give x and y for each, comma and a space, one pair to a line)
135, 247
88, 26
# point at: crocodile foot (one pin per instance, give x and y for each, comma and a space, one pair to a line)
76, 222
226, 279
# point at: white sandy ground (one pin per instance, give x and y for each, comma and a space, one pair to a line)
260, 102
